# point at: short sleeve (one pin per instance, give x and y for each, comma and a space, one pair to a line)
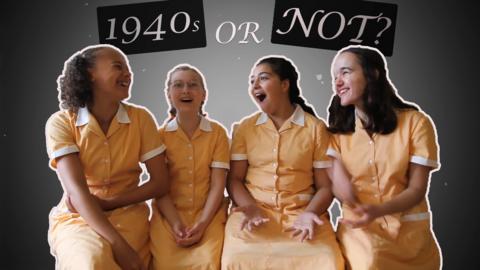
59, 137
239, 147
423, 144
334, 147
221, 153
151, 142
320, 158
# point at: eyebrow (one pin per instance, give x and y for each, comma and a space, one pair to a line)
261, 73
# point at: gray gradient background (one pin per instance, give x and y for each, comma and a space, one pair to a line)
434, 64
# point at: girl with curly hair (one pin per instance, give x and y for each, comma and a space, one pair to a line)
95, 144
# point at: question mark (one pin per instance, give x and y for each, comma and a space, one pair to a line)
388, 24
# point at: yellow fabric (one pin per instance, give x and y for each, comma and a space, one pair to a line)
189, 166
280, 179
111, 166
378, 166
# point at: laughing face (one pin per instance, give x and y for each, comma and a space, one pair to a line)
349, 81
267, 89
111, 76
186, 92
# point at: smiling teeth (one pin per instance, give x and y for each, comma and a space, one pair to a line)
341, 92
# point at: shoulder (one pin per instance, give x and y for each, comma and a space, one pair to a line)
217, 127
138, 113
63, 117
249, 120
412, 117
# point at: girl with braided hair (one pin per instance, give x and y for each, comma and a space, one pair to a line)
278, 181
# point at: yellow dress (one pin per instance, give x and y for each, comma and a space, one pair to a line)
378, 167
189, 165
111, 166
280, 179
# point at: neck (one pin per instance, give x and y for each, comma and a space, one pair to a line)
360, 112
281, 114
188, 122
104, 111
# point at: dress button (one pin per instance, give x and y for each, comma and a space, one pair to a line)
189, 145
275, 176
189, 158
370, 142
370, 161
190, 172
274, 164
274, 149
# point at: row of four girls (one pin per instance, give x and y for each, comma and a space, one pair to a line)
381, 154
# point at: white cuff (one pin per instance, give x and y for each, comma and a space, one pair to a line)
238, 157
322, 164
153, 153
221, 165
425, 162
416, 217
331, 152
64, 151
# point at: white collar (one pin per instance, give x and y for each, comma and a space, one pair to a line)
298, 117
83, 116
204, 125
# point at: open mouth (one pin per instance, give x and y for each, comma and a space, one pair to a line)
186, 100
124, 83
260, 96
342, 91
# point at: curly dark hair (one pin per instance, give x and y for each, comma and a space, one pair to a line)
380, 98
285, 69
74, 84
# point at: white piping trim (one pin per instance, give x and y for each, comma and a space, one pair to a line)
331, 152
322, 164
238, 157
424, 161
416, 217
64, 151
221, 165
153, 153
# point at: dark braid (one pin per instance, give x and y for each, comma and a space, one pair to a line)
285, 69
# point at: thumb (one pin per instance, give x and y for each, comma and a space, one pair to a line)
239, 209
317, 220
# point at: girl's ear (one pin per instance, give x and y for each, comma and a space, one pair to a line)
285, 84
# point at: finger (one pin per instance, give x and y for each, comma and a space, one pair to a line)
296, 232
310, 232
304, 235
243, 223
289, 229
239, 209
345, 221
249, 226
317, 220
265, 220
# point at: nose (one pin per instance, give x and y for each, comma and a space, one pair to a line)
255, 83
338, 81
127, 73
